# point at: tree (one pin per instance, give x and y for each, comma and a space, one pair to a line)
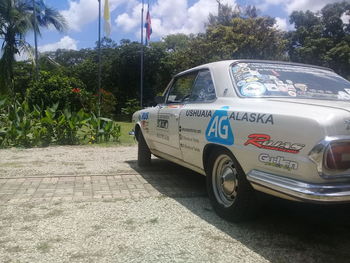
16, 20
232, 34
44, 16
322, 38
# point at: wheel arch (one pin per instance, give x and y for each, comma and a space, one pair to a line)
208, 149
137, 131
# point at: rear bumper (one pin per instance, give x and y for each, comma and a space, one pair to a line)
286, 187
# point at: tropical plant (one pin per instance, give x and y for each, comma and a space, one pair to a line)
17, 19
20, 125
101, 129
15, 22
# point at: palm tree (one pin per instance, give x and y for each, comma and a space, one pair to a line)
17, 18
44, 17
15, 22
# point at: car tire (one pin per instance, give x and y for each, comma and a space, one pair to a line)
230, 193
143, 152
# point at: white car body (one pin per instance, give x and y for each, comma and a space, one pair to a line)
290, 164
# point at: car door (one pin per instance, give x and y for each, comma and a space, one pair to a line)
166, 137
195, 118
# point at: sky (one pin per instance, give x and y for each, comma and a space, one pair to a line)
168, 17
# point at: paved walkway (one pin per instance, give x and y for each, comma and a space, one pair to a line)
178, 183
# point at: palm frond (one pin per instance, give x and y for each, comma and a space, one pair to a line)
53, 17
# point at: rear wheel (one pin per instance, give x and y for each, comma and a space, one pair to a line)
143, 153
230, 194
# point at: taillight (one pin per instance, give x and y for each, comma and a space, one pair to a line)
337, 156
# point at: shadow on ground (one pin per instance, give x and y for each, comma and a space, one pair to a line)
284, 231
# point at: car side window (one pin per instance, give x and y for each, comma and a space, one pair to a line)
203, 89
181, 88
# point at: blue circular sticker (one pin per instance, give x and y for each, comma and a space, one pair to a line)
241, 83
253, 89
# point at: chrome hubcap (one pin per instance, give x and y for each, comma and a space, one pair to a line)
224, 179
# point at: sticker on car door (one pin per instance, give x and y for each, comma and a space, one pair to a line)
219, 128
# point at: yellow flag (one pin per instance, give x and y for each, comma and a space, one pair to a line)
107, 18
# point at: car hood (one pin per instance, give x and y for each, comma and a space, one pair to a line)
334, 104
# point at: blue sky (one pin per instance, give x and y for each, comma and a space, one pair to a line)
168, 17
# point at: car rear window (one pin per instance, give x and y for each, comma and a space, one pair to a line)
292, 81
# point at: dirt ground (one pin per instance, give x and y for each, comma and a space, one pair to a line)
93, 204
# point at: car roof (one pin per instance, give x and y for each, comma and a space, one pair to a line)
230, 62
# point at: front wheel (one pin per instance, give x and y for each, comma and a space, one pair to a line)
143, 152
230, 194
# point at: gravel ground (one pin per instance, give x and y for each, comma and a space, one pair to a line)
65, 160
162, 228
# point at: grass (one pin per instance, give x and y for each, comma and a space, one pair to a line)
125, 138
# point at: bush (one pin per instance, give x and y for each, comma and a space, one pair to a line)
52, 88
22, 126
108, 103
101, 129
131, 106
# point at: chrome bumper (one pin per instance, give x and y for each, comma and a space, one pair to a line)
286, 187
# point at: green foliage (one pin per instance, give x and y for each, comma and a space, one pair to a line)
322, 38
102, 129
23, 126
108, 103
23, 75
131, 106
16, 20
233, 34
53, 88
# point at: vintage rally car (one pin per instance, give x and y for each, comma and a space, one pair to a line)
254, 126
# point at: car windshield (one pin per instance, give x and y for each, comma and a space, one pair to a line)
286, 80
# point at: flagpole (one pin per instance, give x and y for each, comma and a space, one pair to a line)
142, 56
99, 61
35, 41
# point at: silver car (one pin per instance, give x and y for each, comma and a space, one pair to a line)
254, 126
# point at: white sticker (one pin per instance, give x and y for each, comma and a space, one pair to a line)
291, 88
271, 87
253, 89
282, 88
292, 93
300, 86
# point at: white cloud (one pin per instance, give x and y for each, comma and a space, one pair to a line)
295, 5
128, 22
83, 12
282, 24
311, 5
345, 18
171, 17
64, 43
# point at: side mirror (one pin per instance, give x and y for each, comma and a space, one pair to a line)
159, 99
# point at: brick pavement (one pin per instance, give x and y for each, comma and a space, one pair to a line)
136, 184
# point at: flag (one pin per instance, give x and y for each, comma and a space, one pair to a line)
148, 26
107, 18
